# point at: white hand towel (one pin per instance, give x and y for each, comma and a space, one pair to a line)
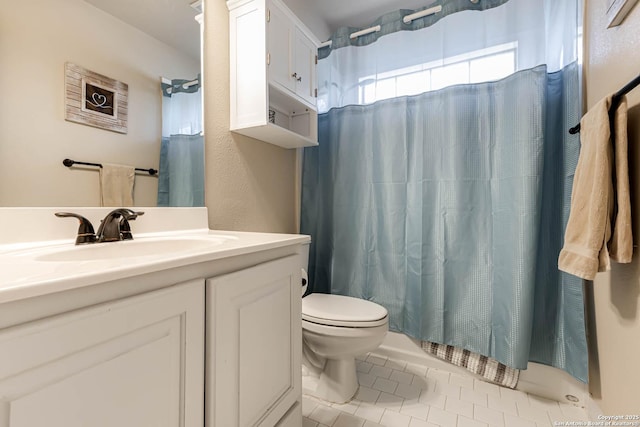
116, 185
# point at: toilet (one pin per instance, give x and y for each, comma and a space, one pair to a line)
336, 329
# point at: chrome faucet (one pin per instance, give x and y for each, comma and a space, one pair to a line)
114, 227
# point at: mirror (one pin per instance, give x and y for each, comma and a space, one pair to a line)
133, 42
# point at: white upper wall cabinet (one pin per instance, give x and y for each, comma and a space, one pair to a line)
272, 74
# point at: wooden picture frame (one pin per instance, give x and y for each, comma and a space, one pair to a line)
617, 10
95, 100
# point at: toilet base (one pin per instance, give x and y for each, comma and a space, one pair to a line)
336, 383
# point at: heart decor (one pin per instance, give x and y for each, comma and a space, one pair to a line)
99, 100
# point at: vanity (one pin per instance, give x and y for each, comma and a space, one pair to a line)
181, 326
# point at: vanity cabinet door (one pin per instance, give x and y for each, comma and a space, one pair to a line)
133, 362
254, 344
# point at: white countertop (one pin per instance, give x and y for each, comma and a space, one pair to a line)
26, 271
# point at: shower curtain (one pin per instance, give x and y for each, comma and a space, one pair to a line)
448, 206
181, 171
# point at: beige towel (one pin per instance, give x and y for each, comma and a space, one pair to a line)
595, 232
116, 185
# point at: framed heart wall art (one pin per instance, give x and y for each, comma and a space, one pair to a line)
95, 100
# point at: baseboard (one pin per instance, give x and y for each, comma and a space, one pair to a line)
541, 380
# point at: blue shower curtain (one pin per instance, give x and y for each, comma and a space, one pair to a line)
181, 171
448, 208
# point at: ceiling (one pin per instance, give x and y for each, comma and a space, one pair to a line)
170, 21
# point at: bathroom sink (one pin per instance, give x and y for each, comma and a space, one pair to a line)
160, 247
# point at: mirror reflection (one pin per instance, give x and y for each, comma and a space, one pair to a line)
151, 47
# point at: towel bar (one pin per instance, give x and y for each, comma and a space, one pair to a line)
68, 163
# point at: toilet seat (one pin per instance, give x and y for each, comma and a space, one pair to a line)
342, 311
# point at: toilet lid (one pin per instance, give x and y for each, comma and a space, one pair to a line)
341, 310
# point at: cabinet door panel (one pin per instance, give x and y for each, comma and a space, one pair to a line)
254, 343
247, 66
280, 35
93, 387
128, 363
265, 348
305, 67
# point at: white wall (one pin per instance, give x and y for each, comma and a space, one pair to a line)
37, 37
612, 60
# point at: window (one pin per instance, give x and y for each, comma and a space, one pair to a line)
478, 66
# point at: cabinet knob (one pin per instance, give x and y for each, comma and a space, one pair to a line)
295, 76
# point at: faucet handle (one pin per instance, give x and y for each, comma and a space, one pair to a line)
86, 234
125, 228
131, 214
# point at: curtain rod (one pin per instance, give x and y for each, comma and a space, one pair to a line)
365, 32
68, 163
186, 85
431, 11
407, 20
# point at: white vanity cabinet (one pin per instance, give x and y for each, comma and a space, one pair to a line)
181, 327
272, 70
137, 361
146, 360
254, 344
